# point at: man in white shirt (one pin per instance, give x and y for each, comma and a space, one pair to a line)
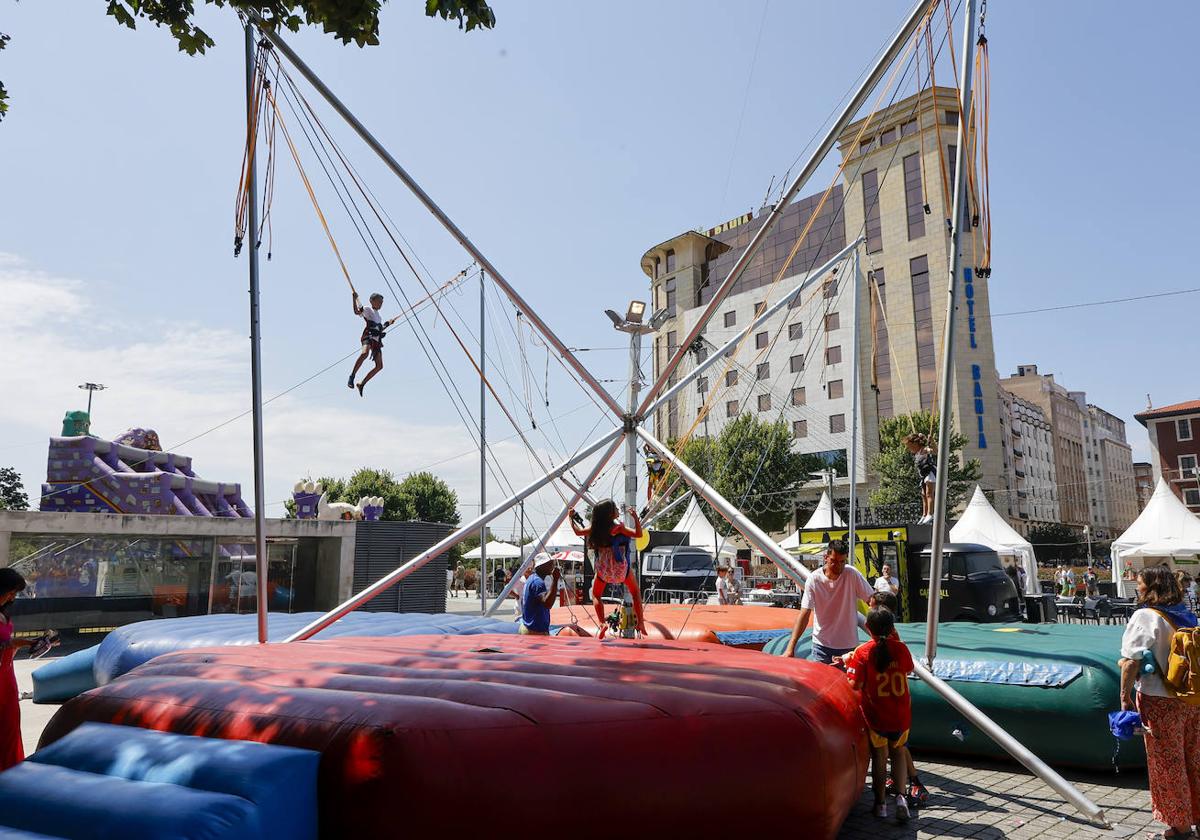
722, 586
887, 582
830, 601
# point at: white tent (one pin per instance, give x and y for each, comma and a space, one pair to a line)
981, 524
496, 550
1165, 530
701, 532
819, 519
823, 514
563, 539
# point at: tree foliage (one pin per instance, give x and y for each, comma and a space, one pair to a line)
12, 490
899, 483
356, 22
1055, 541
751, 463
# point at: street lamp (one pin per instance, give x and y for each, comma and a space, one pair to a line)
91, 388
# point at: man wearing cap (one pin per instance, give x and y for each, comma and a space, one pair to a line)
539, 596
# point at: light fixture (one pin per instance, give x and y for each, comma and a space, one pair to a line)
659, 318
617, 320
637, 309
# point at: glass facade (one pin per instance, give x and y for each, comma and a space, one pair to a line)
96, 582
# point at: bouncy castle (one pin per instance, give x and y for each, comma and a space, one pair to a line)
129, 474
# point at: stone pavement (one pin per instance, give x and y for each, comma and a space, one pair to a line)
989, 801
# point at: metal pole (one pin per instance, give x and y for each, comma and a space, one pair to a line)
660, 514
482, 441
260, 535
854, 357
540, 542
762, 318
438, 214
798, 573
814, 161
356, 601
945, 404
89, 408
631, 443
830, 474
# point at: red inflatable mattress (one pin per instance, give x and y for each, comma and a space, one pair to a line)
688, 623
447, 735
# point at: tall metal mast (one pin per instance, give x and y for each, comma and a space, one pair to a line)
260, 535
482, 441
945, 403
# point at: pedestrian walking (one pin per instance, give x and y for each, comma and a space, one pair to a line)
830, 602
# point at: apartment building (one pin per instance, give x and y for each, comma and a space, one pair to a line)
1029, 497
798, 365
1143, 480
1174, 432
1112, 492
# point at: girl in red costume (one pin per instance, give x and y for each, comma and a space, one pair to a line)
612, 547
12, 751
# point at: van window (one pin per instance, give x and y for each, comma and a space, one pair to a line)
981, 563
654, 562
691, 562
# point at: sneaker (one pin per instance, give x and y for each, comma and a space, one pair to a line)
918, 795
902, 814
881, 810
350, 381
360, 388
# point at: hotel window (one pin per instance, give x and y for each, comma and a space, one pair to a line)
799, 428
950, 118
763, 371
795, 331
672, 343
731, 408
670, 284
908, 129
702, 384
730, 319
836, 392
888, 136
657, 267
1183, 429
874, 228
796, 363
833, 355
672, 418
923, 328
759, 307
761, 339
881, 369
831, 287
837, 422
832, 322
866, 145
914, 196
670, 261
764, 402
730, 378
798, 397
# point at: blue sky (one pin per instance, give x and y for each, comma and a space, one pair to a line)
565, 142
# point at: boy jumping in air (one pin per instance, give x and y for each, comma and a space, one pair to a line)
372, 338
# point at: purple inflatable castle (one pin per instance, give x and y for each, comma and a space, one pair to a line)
130, 474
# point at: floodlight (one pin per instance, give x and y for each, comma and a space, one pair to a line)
659, 318
636, 310
618, 322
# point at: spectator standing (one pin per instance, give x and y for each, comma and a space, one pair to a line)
887, 582
12, 750
830, 602
722, 586
538, 596
1091, 582
1172, 724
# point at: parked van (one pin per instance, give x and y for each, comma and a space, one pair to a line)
678, 568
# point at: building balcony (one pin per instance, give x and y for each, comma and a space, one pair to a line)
1021, 494
1016, 432
1020, 472
1018, 452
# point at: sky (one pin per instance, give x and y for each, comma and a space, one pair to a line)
565, 142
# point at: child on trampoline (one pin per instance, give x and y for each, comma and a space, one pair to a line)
926, 464
372, 338
879, 669
611, 543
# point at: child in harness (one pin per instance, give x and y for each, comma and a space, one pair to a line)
372, 338
612, 547
925, 461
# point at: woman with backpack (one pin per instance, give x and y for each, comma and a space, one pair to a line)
1171, 718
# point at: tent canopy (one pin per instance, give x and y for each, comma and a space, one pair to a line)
496, 550
981, 524
702, 534
819, 519
1166, 528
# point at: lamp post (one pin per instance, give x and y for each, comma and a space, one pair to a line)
91, 388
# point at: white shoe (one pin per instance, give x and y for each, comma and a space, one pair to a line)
881, 810
901, 810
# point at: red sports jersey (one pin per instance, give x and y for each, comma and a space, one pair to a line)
886, 703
